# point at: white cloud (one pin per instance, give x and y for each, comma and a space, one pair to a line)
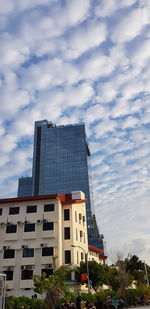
8, 143
106, 8
141, 55
130, 122
2, 130
13, 52
96, 112
24, 126
77, 96
120, 109
27, 4
57, 101
47, 74
96, 160
97, 66
146, 118
19, 163
74, 12
107, 92
6, 6
85, 38
35, 27
104, 127
130, 26
12, 101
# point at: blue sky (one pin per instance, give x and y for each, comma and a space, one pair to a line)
86, 61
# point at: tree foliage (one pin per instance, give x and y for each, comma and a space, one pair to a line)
136, 268
96, 273
13, 302
55, 286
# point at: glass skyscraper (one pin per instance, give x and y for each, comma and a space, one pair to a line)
60, 165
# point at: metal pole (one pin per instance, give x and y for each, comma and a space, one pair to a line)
87, 267
146, 274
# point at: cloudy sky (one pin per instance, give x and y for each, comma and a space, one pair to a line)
73, 61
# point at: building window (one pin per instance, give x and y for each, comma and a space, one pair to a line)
47, 251
1, 209
67, 256
81, 235
29, 227
28, 252
47, 226
80, 218
75, 216
49, 207
13, 210
26, 274
31, 209
9, 254
67, 233
47, 271
12, 228
83, 220
82, 256
9, 274
66, 214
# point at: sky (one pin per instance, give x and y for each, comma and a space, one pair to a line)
72, 61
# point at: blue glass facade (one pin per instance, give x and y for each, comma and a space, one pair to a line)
25, 186
60, 164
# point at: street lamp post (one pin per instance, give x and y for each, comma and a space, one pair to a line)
87, 264
146, 274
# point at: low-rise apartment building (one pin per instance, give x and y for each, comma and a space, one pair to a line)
34, 230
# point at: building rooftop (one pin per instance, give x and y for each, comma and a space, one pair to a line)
64, 199
53, 125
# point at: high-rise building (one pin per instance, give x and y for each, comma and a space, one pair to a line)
61, 165
25, 186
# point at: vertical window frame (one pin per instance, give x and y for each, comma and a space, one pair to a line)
67, 256
67, 214
67, 234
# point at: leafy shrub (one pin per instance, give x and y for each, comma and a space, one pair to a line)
13, 302
102, 295
89, 296
68, 297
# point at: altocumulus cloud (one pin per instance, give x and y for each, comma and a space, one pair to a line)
83, 61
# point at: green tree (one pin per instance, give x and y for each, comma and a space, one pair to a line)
10, 302
40, 283
137, 269
96, 273
112, 278
118, 279
54, 286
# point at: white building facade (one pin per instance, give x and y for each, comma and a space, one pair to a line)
34, 230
